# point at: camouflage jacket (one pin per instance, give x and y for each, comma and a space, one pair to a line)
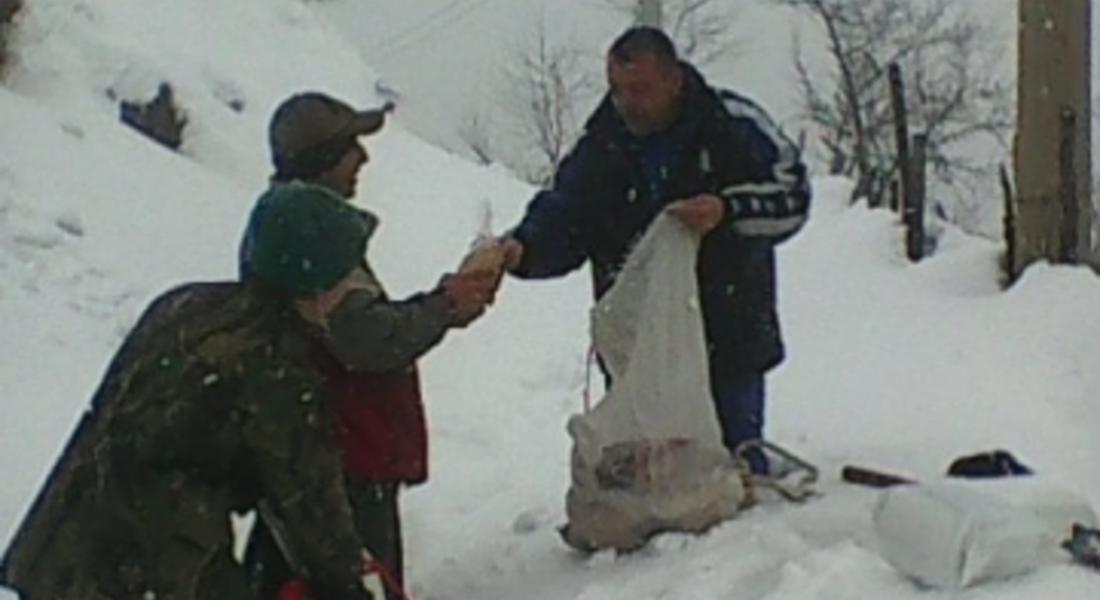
211, 405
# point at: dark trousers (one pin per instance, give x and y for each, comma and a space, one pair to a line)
740, 405
377, 520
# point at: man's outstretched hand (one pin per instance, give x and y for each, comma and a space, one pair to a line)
512, 249
701, 214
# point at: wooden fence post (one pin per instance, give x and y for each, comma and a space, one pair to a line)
913, 214
1009, 224
901, 133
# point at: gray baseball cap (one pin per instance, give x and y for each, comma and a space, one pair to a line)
308, 120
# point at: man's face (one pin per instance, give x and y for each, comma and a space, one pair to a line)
645, 92
344, 175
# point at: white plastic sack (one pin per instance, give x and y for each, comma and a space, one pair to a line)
954, 534
649, 457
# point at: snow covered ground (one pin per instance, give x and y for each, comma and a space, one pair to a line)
891, 365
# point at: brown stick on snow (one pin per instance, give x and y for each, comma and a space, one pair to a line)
872, 478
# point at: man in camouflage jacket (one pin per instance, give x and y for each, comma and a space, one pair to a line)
211, 405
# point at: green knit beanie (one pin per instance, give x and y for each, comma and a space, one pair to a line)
306, 239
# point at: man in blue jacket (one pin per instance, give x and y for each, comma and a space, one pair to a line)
662, 139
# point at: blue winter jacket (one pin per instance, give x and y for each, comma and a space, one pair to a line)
613, 184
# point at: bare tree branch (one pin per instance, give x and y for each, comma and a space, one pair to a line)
545, 84
953, 93
475, 135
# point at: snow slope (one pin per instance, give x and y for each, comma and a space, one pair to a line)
891, 365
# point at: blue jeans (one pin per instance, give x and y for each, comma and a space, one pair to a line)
740, 405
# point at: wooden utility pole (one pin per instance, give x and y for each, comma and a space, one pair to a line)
1054, 212
649, 12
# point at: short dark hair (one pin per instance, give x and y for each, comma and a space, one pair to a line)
644, 40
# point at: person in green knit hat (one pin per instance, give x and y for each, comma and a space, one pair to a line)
214, 404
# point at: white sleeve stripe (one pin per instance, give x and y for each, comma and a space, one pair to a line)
756, 188
787, 151
768, 227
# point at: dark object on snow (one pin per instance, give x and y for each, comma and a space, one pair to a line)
871, 478
159, 119
1084, 545
995, 463
8, 8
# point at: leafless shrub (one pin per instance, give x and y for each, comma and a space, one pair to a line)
954, 92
